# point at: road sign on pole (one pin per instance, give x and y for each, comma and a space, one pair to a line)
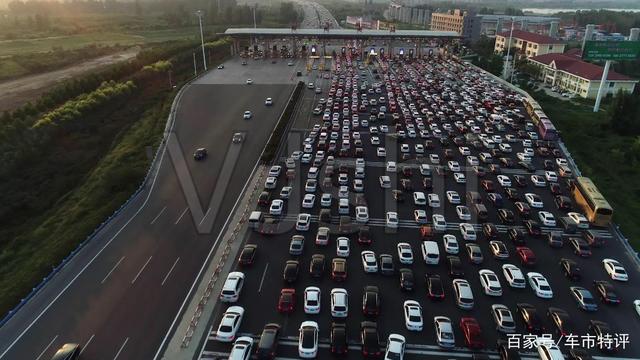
611, 50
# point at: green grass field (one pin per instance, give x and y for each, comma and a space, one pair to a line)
600, 155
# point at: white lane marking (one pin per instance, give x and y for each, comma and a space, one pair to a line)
169, 273
47, 347
262, 280
141, 269
121, 347
144, 204
112, 269
157, 216
87, 344
181, 215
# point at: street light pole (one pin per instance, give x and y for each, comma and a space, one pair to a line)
508, 49
254, 15
204, 58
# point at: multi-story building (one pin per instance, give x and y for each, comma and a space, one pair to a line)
464, 23
491, 24
407, 11
571, 74
527, 44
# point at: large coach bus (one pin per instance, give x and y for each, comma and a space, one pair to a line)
591, 201
531, 106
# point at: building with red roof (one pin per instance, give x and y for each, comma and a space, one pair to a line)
527, 44
571, 74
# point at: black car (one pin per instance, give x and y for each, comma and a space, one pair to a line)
512, 194
316, 267
67, 352
338, 338
580, 247
406, 184
506, 352
490, 231
529, 315
386, 264
602, 330
578, 353
561, 320
527, 166
554, 238
562, 202
370, 339
607, 292
496, 199
406, 279
548, 164
200, 154
264, 198
398, 195
455, 267
533, 227
570, 269
435, 291
371, 301
517, 236
268, 343
506, 216
427, 183
555, 188
520, 180
247, 255
364, 235
291, 269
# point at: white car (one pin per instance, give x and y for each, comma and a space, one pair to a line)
375, 141
325, 200
413, 315
339, 303
342, 246
547, 218
276, 207
404, 148
381, 152
463, 212
430, 252
362, 214
450, 244
369, 261
562, 162
395, 347
464, 150
241, 349
636, 305
538, 181
308, 201
580, 220
268, 102
230, 324
310, 185
460, 178
308, 340
453, 197
505, 148
547, 350
453, 166
405, 253
419, 148
551, 176
419, 198
384, 128
540, 285
392, 167
615, 270
249, 81
514, 276
303, 222
434, 158
285, 192
439, 223
306, 158
312, 300
270, 182
504, 180
275, 171
490, 283
468, 232
343, 192
420, 216
444, 331
534, 200
433, 200
247, 115
503, 318
392, 219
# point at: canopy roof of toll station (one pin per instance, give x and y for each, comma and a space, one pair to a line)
341, 33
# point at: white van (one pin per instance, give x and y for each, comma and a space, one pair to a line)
425, 170
430, 252
255, 218
343, 207
385, 182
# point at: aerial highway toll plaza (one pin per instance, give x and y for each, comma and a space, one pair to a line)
317, 43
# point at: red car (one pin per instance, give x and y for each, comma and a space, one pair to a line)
287, 301
472, 333
487, 185
527, 257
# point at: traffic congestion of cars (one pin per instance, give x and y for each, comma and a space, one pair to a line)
422, 189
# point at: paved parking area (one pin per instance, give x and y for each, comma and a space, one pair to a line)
264, 278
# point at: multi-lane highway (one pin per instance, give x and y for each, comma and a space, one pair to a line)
120, 294
316, 16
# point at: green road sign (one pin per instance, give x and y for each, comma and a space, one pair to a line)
611, 50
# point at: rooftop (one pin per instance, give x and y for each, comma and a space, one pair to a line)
348, 33
531, 37
574, 65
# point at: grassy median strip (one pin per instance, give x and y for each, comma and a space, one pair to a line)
601, 155
272, 147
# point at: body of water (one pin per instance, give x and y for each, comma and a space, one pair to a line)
546, 11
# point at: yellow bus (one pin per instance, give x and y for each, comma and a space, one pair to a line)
531, 106
591, 201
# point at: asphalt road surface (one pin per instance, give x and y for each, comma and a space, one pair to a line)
120, 294
264, 277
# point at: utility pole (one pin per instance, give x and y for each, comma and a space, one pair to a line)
195, 69
254, 15
199, 13
508, 49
